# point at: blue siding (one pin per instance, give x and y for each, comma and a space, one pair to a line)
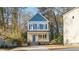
38, 17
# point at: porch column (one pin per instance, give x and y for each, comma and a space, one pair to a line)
37, 37
47, 36
42, 37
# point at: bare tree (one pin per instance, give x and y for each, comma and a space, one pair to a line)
14, 21
2, 21
53, 25
54, 15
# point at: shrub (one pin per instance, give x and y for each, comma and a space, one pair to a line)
9, 43
16, 42
2, 43
58, 38
24, 36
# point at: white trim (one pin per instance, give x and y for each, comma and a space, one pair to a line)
38, 26
43, 16
38, 22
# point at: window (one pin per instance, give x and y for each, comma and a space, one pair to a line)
41, 26
34, 26
40, 36
30, 26
44, 36
72, 17
45, 26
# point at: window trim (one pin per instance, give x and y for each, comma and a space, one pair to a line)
38, 26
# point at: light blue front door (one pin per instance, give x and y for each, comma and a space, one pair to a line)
33, 39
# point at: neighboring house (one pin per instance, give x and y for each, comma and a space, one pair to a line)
71, 26
38, 29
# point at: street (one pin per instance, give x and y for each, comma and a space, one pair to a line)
68, 49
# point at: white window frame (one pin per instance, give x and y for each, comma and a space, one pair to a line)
38, 24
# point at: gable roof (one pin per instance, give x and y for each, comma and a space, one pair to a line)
38, 17
70, 10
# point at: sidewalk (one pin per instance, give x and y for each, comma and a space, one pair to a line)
42, 48
30, 48
53, 47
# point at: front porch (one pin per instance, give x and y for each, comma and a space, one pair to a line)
37, 37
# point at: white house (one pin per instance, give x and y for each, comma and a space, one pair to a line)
38, 29
71, 29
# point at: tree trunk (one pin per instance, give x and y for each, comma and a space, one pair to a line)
2, 18
57, 27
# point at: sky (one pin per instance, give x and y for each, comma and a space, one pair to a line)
32, 10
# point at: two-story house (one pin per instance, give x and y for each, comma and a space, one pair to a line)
38, 30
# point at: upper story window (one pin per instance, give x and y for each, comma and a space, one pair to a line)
44, 36
34, 26
30, 26
41, 26
38, 26
45, 26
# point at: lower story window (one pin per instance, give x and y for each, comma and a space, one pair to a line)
40, 36
44, 36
